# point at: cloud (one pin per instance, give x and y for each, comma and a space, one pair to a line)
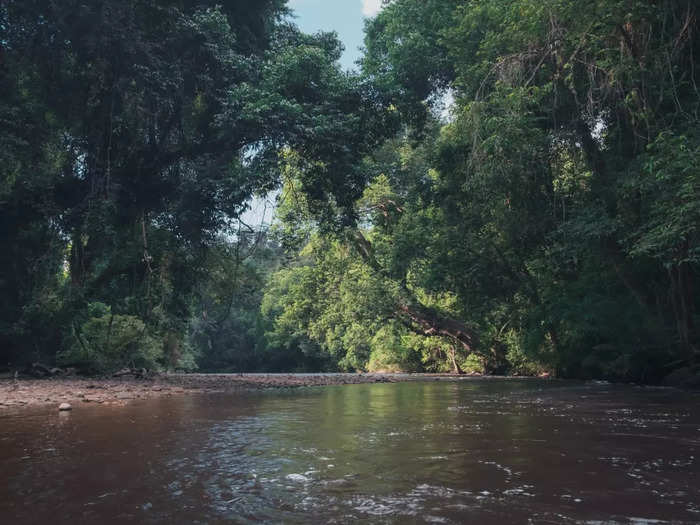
371, 7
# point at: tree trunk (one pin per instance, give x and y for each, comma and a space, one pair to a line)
682, 302
429, 322
77, 260
456, 369
415, 316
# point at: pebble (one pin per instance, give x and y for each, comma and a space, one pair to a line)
64, 407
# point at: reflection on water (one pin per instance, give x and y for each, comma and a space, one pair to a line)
477, 451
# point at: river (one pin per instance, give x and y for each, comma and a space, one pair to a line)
475, 451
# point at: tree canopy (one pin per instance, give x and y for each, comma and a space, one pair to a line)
552, 217
545, 221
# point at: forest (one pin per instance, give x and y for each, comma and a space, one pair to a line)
500, 187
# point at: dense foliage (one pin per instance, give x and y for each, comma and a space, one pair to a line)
133, 134
547, 220
553, 216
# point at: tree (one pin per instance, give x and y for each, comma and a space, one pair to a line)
553, 214
564, 121
144, 129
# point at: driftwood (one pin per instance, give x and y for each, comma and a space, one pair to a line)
42, 370
139, 373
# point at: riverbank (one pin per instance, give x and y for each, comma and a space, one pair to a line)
119, 391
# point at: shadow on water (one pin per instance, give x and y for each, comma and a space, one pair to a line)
447, 452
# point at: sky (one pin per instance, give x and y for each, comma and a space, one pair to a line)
346, 17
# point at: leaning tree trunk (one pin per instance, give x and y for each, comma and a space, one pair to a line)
417, 317
429, 322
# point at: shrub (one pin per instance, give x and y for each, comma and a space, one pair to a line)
107, 342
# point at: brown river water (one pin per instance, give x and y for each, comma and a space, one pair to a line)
472, 451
